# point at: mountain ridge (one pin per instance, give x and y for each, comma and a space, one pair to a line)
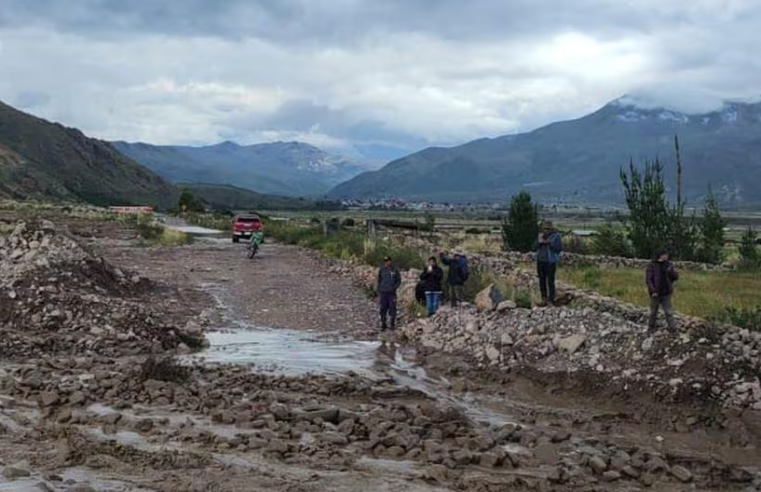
283, 168
579, 159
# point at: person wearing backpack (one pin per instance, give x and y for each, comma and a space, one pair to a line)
458, 274
548, 248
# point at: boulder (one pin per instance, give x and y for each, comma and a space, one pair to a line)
506, 306
572, 343
489, 298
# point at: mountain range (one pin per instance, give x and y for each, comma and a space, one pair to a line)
281, 168
579, 160
39, 159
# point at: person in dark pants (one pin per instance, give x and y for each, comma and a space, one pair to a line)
660, 276
431, 280
457, 275
389, 280
548, 249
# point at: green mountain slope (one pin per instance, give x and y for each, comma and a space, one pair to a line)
226, 197
39, 159
579, 160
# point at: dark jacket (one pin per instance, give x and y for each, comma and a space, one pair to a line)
657, 282
389, 279
550, 253
432, 280
455, 276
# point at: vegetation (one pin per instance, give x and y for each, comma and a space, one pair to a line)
189, 203
711, 226
153, 234
226, 197
611, 241
703, 294
750, 259
521, 226
744, 317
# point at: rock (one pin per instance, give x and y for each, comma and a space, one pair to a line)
546, 454
462, 457
489, 298
335, 438
611, 476
81, 487
681, 473
506, 306
597, 464
571, 344
77, 398
493, 354
438, 473
490, 460
277, 446
15, 472
630, 471
48, 398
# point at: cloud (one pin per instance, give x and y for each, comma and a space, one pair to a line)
398, 74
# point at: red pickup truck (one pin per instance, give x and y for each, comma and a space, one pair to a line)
244, 225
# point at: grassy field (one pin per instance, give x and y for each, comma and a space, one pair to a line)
703, 294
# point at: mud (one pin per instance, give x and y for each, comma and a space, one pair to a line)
298, 392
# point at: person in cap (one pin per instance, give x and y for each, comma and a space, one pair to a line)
660, 276
548, 248
389, 281
457, 276
431, 280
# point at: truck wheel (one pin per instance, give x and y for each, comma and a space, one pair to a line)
236, 239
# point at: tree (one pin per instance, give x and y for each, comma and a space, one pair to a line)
649, 222
520, 228
611, 242
189, 203
749, 255
711, 231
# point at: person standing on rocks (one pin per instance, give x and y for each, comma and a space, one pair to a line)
660, 276
431, 279
458, 275
548, 248
389, 281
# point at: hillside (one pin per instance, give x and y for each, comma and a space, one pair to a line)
282, 168
226, 197
579, 160
39, 159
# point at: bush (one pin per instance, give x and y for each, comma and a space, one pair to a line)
749, 318
592, 277
349, 222
575, 245
611, 242
749, 255
523, 299
520, 229
148, 230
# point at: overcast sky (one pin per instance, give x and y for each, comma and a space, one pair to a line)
337, 73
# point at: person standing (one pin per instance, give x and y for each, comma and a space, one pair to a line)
389, 281
549, 247
660, 276
431, 280
458, 275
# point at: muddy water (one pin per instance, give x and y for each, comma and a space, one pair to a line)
288, 352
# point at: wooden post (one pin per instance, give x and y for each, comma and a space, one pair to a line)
678, 172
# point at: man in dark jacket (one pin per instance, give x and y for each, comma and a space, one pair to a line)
660, 276
431, 279
548, 249
389, 281
456, 277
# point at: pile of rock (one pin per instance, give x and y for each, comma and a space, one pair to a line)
59, 298
720, 365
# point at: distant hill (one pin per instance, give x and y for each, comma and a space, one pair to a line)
579, 160
226, 197
283, 168
40, 159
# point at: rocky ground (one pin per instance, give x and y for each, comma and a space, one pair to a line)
91, 400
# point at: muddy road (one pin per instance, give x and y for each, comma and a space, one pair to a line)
296, 391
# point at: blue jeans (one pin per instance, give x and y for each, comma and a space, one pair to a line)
432, 302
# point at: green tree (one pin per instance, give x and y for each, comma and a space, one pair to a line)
188, 202
711, 231
649, 222
749, 255
610, 241
520, 228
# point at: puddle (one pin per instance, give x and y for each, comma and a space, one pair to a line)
288, 352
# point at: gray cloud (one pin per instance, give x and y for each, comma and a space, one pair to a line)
342, 73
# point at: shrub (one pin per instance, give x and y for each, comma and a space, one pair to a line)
749, 317
611, 242
749, 255
349, 222
523, 298
149, 231
592, 277
521, 227
575, 244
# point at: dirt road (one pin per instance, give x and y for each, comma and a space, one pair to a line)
298, 393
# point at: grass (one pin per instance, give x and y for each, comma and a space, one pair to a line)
702, 294
152, 234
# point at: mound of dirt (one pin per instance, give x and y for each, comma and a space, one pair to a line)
58, 297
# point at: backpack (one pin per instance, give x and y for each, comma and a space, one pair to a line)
464, 270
